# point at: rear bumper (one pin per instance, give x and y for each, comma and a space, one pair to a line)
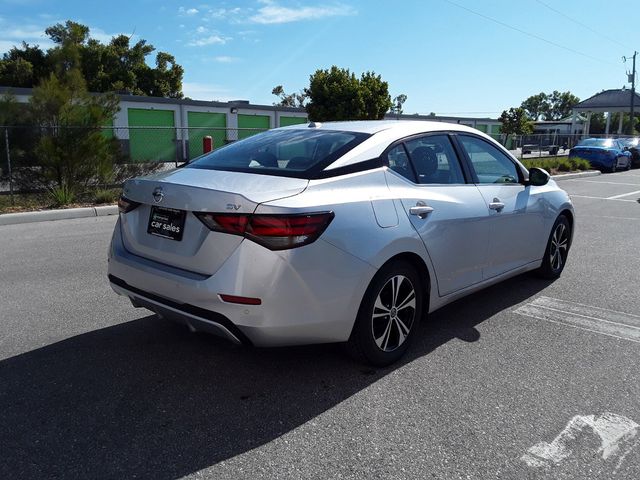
596, 161
194, 317
308, 295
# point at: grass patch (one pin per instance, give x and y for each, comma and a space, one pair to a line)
27, 202
557, 164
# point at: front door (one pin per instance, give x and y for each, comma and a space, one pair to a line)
515, 216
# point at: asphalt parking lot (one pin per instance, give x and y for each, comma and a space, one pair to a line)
527, 379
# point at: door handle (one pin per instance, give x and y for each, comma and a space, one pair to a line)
421, 210
496, 205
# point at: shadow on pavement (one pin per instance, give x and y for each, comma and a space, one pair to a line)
148, 399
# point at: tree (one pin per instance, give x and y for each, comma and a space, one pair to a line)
396, 105
289, 99
515, 122
560, 105
72, 151
375, 95
552, 106
116, 66
535, 106
20, 67
337, 94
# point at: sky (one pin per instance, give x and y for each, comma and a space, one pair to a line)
471, 58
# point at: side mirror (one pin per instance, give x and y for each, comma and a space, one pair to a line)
538, 177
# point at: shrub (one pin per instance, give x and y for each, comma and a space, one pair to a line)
61, 196
106, 196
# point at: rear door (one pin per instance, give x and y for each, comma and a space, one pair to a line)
446, 211
515, 216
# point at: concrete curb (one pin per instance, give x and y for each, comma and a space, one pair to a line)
60, 214
569, 176
104, 210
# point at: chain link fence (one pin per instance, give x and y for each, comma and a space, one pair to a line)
139, 150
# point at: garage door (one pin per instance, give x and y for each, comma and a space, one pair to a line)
256, 122
202, 124
152, 144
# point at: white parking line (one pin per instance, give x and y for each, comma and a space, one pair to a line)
596, 181
602, 198
584, 317
623, 195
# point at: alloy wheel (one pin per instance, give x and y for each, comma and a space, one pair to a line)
559, 247
393, 313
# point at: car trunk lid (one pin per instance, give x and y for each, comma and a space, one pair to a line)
196, 190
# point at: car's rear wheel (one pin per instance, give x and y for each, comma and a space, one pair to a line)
388, 316
614, 167
555, 256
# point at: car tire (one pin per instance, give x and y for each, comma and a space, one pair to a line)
614, 167
388, 316
558, 245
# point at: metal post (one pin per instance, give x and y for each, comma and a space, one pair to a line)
6, 139
633, 93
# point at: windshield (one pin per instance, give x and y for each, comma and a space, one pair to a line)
597, 142
286, 152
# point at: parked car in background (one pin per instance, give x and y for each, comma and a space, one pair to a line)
632, 145
338, 232
603, 153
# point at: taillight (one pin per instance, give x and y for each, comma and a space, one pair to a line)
125, 205
276, 232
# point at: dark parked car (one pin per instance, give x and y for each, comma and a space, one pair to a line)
603, 153
633, 144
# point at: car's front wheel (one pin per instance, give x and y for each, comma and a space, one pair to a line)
555, 256
389, 315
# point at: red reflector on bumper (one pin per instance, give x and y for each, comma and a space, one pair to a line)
240, 300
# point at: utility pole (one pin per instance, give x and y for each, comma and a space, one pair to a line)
632, 78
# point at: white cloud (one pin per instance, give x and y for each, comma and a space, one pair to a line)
206, 91
272, 13
33, 35
104, 37
187, 11
225, 59
224, 13
210, 40
201, 29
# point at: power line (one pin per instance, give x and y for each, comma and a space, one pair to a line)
529, 34
581, 24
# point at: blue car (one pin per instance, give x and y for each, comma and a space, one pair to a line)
603, 153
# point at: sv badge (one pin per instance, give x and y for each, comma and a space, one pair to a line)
233, 206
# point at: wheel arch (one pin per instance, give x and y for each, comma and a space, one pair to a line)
571, 218
419, 264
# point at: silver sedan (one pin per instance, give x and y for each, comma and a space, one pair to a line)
338, 232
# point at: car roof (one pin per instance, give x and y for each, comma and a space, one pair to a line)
383, 132
401, 127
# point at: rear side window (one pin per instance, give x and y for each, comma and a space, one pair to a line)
490, 164
287, 152
398, 161
434, 160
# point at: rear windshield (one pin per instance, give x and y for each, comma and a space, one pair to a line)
286, 152
597, 142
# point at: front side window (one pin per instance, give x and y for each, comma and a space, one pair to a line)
288, 152
435, 160
490, 164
